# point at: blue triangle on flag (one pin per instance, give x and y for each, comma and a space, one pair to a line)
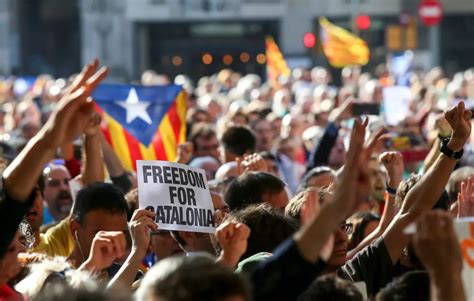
138, 109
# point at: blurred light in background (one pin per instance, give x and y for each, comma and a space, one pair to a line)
309, 40
207, 59
261, 58
244, 57
177, 60
363, 22
227, 59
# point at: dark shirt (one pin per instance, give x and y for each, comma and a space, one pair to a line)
11, 214
285, 275
372, 265
320, 156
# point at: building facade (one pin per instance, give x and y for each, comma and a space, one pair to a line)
172, 36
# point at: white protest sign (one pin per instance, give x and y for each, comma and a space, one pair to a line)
396, 101
178, 194
465, 231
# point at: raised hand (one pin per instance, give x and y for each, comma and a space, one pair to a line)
232, 237
93, 126
466, 198
140, 225
311, 207
185, 152
343, 112
253, 162
106, 247
393, 162
75, 108
459, 118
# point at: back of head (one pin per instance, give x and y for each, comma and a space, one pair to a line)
191, 278
239, 140
411, 286
443, 202
249, 189
268, 227
454, 183
99, 196
331, 288
317, 171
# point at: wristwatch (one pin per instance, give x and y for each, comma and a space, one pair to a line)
449, 152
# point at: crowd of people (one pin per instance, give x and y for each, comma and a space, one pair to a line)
313, 199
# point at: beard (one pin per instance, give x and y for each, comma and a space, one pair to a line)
63, 201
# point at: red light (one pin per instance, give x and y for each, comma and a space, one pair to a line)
363, 22
309, 40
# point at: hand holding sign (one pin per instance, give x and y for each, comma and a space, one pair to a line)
106, 247
178, 194
232, 237
140, 225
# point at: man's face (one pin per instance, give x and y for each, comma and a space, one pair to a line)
339, 253
337, 156
207, 147
265, 135
163, 245
57, 193
35, 215
377, 181
95, 221
277, 200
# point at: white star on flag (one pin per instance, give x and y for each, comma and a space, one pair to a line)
135, 108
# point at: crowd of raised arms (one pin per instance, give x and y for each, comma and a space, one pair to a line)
312, 201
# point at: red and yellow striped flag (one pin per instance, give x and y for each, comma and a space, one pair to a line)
132, 134
276, 64
341, 47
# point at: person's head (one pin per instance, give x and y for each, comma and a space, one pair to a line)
237, 141
194, 242
377, 180
337, 155
208, 163
363, 223
272, 163
319, 177
35, 214
339, 252
454, 183
9, 265
255, 188
204, 140
98, 207
268, 226
331, 288
264, 133
293, 209
192, 278
163, 245
225, 175
132, 202
411, 286
409, 256
57, 193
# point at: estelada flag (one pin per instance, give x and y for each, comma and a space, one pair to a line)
142, 122
341, 47
276, 64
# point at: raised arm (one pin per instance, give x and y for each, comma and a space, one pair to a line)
426, 192
66, 123
118, 174
93, 163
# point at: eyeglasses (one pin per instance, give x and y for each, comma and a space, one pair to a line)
346, 227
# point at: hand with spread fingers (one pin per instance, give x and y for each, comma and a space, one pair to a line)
76, 108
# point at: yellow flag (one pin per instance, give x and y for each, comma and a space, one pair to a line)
341, 47
276, 64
